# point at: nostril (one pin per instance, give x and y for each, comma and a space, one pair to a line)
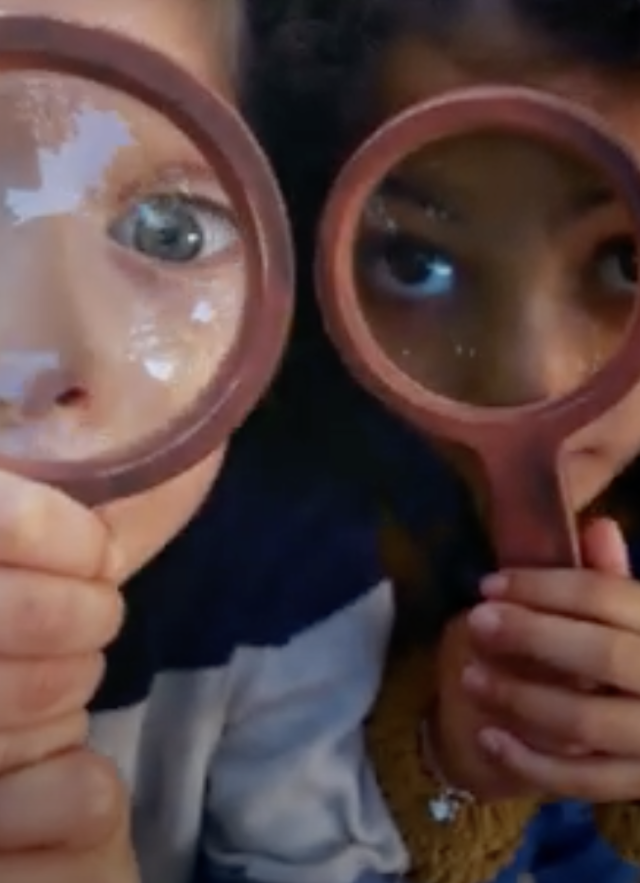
51, 391
72, 397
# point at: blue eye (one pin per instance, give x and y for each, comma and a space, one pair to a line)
406, 268
175, 229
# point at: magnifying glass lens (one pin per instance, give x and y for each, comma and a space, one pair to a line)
496, 269
123, 278
478, 271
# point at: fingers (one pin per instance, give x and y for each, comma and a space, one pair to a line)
66, 821
20, 748
604, 548
34, 692
43, 616
70, 802
43, 530
555, 716
60, 805
57, 866
593, 779
52, 631
579, 594
573, 648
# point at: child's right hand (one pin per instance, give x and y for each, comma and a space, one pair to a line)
59, 608
65, 820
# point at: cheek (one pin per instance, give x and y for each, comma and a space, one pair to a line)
600, 452
616, 432
142, 526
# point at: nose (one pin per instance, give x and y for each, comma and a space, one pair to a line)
34, 384
539, 351
531, 371
40, 358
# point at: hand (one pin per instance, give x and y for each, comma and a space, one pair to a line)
65, 820
458, 720
575, 730
58, 610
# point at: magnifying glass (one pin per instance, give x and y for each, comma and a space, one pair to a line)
146, 279
477, 271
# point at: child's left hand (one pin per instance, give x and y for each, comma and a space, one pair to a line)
557, 659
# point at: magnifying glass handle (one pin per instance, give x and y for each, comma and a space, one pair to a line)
532, 524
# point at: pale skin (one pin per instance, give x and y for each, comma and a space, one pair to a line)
540, 684
63, 812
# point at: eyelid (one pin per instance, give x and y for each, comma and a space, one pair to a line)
375, 241
405, 219
390, 213
446, 240
585, 237
422, 196
194, 180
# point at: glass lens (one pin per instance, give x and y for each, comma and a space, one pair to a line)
123, 270
497, 270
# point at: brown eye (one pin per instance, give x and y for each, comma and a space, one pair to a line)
404, 267
617, 265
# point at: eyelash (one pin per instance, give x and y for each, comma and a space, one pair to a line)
191, 180
374, 243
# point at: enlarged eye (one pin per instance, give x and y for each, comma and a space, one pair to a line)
617, 265
404, 267
174, 228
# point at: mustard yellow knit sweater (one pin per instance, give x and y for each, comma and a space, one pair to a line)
483, 838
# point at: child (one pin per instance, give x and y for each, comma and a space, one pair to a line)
248, 654
496, 732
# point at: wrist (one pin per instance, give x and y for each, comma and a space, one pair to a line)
448, 760
448, 800
457, 758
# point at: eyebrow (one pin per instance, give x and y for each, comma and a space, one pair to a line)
424, 198
589, 200
421, 197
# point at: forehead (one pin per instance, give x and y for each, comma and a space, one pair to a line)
413, 68
194, 33
469, 167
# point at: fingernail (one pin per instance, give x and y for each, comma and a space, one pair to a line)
492, 741
475, 678
485, 620
494, 586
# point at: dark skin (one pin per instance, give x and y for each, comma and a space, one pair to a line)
461, 278
541, 682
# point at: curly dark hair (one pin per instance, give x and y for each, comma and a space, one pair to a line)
308, 84
329, 47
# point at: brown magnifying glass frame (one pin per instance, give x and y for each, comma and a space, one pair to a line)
31, 43
518, 449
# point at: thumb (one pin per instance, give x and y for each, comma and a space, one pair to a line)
604, 547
